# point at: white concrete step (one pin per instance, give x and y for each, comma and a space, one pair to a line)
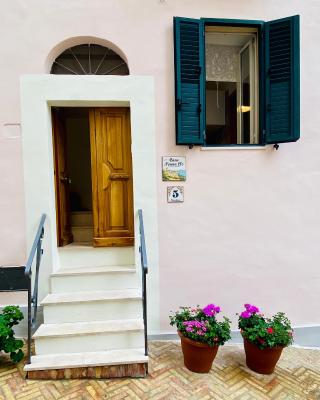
87, 359
84, 255
82, 233
94, 278
89, 336
98, 295
92, 306
81, 218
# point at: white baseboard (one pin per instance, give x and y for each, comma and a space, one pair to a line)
304, 336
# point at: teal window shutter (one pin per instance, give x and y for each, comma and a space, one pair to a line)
282, 83
189, 81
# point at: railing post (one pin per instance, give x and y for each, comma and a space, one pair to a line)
144, 285
29, 318
144, 267
36, 249
36, 280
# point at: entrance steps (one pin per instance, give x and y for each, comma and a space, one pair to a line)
97, 278
81, 218
78, 255
101, 364
82, 226
92, 306
92, 317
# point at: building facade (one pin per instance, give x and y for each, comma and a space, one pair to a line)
248, 228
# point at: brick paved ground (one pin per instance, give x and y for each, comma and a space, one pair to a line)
297, 377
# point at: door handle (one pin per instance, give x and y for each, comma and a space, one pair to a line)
116, 177
65, 179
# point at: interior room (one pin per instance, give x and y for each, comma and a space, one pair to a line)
231, 86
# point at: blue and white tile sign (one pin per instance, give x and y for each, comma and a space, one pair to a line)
173, 168
175, 194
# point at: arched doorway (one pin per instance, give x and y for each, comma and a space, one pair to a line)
92, 158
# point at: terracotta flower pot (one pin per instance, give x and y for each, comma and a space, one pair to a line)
262, 361
198, 357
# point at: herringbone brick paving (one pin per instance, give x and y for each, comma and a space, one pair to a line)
297, 377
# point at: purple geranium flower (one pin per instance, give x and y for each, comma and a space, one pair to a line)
245, 314
211, 310
251, 308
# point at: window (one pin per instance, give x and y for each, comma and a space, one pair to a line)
237, 82
231, 66
89, 59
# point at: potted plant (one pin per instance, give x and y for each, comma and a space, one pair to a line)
201, 335
10, 316
264, 338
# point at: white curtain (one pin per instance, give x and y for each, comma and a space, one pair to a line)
222, 63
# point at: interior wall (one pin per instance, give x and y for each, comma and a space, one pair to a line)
215, 107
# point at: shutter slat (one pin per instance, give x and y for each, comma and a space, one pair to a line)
282, 80
189, 59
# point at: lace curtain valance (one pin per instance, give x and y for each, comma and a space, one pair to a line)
222, 63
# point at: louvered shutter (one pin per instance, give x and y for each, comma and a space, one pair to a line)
189, 82
282, 80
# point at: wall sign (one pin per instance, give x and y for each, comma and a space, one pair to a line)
175, 194
173, 168
11, 131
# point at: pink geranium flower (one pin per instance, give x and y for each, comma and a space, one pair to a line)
245, 314
251, 308
211, 310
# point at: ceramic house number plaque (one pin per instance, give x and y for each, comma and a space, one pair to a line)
173, 168
175, 194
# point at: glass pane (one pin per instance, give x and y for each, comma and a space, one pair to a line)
245, 96
231, 115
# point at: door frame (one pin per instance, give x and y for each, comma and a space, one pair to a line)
38, 94
121, 236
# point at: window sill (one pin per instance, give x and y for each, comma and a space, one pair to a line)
235, 147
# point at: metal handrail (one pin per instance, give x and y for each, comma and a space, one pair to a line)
37, 250
144, 267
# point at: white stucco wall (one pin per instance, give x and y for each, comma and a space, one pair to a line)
249, 227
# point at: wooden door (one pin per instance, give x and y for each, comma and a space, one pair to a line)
62, 180
111, 164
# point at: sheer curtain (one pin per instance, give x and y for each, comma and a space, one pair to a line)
222, 63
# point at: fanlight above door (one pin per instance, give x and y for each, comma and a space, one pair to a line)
89, 59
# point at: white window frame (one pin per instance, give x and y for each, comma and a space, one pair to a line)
254, 93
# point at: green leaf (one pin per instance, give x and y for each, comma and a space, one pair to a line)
16, 357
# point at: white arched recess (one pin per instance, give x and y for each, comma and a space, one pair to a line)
38, 94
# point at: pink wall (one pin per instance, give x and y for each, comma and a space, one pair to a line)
249, 227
